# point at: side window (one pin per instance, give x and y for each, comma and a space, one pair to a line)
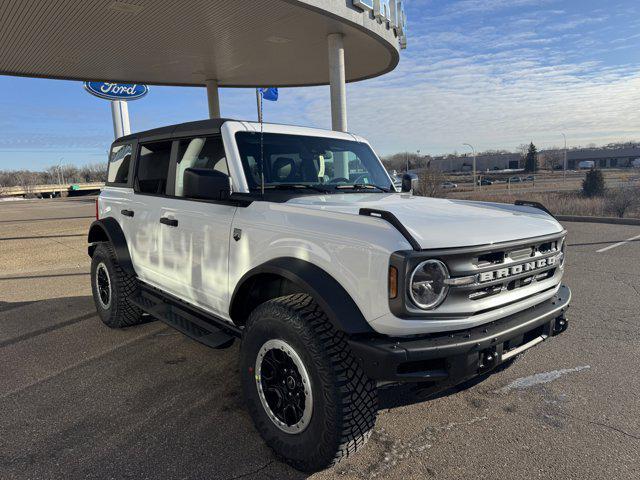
200, 152
153, 167
119, 163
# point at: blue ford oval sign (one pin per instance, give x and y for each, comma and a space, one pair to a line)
116, 91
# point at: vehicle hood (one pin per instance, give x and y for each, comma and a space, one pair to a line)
443, 223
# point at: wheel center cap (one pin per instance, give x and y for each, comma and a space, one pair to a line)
291, 382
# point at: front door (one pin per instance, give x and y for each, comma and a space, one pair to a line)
195, 247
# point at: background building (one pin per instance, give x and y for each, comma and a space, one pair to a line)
484, 162
604, 157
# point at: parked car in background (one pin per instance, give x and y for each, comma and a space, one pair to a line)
396, 179
530, 178
485, 181
515, 180
449, 185
586, 164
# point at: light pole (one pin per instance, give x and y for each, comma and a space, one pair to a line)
60, 169
474, 162
60, 175
564, 167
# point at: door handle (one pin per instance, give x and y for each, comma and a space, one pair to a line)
127, 213
172, 222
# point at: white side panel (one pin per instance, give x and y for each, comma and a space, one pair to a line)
142, 236
111, 202
337, 243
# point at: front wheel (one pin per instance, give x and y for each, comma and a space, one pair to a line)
306, 393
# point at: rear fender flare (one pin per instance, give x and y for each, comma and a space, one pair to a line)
109, 230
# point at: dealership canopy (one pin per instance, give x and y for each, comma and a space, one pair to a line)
201, 42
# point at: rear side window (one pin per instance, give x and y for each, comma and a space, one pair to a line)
119, 163
200, 152
153, 167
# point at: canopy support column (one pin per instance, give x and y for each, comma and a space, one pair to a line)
120, 116
337, 83
213, 99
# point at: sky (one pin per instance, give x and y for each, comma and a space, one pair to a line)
492, 73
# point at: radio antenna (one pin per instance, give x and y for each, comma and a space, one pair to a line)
260, 104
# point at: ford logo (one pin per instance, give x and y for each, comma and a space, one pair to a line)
116, 91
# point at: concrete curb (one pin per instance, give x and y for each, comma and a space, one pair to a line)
611, 220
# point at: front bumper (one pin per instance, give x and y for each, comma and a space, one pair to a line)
453, 357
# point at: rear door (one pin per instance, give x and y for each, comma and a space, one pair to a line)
195, 250
150, 190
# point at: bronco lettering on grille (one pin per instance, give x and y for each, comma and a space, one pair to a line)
532, 266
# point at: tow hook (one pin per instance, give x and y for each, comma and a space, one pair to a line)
560, 325
488, 358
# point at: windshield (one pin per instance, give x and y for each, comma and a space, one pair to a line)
318, 163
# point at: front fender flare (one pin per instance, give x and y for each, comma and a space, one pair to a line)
109, 230
327, 292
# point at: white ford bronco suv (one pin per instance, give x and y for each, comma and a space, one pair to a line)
295, 241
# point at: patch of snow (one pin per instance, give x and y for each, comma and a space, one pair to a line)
539, 378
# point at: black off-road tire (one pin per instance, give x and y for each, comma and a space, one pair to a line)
345, 400
119, 312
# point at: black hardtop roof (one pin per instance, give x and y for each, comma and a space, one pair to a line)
199, 127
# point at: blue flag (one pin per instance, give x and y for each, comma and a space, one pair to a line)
269, 94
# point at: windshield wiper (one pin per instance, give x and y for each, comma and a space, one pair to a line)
296, 186
361, 186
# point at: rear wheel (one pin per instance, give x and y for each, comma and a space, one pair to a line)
305, 391
112, 289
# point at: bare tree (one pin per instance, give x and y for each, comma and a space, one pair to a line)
27, 180
621, 200
551, 159
430, 183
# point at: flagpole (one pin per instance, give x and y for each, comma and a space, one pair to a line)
259, 105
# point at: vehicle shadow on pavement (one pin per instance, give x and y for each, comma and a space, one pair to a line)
142, 402
80, 400
6, 306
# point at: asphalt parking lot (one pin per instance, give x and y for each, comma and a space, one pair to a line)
78, 400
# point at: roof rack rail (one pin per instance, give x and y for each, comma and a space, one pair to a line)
393, 220
538, 205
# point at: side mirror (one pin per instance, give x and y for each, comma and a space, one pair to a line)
409, 182
204, 184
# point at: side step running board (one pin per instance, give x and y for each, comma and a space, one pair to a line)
195, 323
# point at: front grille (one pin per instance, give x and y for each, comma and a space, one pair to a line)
486, 278
500, 277
503, 271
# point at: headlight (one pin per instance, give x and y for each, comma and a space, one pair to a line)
427, 286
